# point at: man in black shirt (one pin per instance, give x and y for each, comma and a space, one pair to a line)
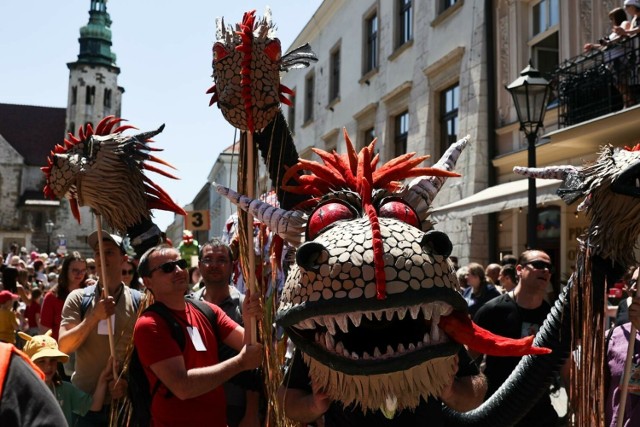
518, 314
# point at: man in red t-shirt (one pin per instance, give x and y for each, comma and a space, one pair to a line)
193, 376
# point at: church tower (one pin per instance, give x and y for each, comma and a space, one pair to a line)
93, 79
93, 94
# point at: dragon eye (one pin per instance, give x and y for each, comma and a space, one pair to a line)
326, 215
399, 210
219, 52
273, 50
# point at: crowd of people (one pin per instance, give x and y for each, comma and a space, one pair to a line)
62, 325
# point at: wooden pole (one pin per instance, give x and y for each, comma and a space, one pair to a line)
624, 380
105, 292
251, 192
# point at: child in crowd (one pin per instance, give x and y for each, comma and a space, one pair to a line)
44, 353
9, 321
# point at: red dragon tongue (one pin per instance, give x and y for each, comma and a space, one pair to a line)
461, 329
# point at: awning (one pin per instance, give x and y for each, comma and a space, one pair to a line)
500, 197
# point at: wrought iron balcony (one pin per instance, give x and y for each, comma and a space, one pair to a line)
599, 82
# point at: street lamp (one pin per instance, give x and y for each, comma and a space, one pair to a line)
48, 226
530, 94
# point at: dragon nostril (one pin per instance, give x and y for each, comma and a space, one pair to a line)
437, 242
307, 255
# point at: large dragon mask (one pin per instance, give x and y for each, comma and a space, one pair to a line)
372, 301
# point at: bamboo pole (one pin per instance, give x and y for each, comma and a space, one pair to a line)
251, 192
624, 380
105, 292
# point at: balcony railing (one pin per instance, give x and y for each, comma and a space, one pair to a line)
599, 82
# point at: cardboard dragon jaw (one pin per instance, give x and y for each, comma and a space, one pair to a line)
367, 323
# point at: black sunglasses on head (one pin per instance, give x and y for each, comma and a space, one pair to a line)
170, 266
541, 265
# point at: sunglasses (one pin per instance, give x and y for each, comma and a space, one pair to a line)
127, 272
170, 267
541, 265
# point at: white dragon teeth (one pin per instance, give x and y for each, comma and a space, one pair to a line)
355, 318
342, 323
331, 327
366, 356
427, 311
432, 311
414, 310
435, 331
328, 340
376, 352
400, 348
426, 339
339, 347
436, 316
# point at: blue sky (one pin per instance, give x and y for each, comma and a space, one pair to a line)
163, 49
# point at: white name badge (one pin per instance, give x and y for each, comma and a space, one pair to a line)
103, 328
196, 339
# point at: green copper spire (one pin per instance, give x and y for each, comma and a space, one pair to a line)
95, 37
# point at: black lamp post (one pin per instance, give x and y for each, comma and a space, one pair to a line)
530, 94
48, 226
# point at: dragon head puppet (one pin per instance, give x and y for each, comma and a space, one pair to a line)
104, 169
372, 301
246, 69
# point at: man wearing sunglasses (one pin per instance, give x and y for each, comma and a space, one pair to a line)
84, 329
517, 314
190, 379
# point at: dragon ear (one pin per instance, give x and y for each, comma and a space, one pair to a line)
423, 189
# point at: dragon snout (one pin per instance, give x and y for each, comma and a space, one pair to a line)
307, 255
437, 242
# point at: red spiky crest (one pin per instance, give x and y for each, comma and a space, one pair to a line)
358, 172
346, 171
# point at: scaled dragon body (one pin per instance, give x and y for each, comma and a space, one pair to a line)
610, 189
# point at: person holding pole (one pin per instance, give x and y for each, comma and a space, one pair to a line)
186, 380
617, 346
98, 321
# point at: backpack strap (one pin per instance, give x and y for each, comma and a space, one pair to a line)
174, 327
87, 296
136, 297
90, 293
176, 333
208, 312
